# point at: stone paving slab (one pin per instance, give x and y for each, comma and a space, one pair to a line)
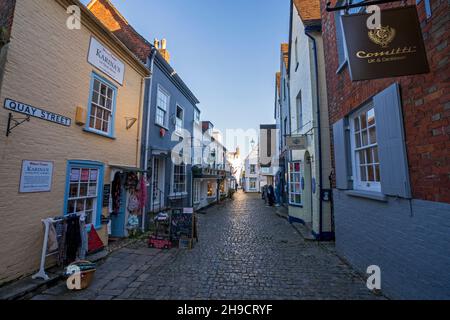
245, 252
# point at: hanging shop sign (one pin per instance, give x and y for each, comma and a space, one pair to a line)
23, 108
104, 60
395, 49
36, 176
297, 143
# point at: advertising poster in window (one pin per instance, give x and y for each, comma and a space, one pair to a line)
36, 176
395, 49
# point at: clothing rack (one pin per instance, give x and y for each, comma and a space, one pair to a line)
41, 273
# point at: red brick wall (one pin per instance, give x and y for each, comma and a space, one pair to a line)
426, 100
7, 14
106, 13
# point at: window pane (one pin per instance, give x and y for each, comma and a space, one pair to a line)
96, 85
73, 193
358, 140
103, 89
89, 204
80, 206
357, 127
369, 157
377, 173
71, 206
105, 126
375, 155
362, 157
83, 189
95, 97
371, 117
365, 138
373, 135
363, 121
363, 173
98, 124
84, 175
102, 101
371, 175
110, 93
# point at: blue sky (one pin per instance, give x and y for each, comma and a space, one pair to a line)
227, 52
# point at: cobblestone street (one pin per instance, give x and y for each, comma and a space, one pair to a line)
245, 252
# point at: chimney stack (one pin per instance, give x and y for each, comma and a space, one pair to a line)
163, 50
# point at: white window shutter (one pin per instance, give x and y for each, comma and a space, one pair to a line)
341, 157
391, 143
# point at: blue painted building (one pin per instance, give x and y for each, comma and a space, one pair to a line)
170, 114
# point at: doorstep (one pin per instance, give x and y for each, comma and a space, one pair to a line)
304, 231
27, 287
282, 212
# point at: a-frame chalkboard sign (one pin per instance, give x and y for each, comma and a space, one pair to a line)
182, 224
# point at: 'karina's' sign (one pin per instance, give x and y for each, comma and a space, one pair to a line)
395, 49
104, 60
36, 112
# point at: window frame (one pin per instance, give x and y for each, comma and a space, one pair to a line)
358, 184
213, 189
250, 168
111, 132
299, 182
179, 130
160, 89
196, 116
255, 180
173, 179
92, 165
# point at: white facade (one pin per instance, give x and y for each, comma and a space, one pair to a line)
252, 177
304, 185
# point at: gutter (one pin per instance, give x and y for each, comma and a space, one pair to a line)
147, 128
308, 30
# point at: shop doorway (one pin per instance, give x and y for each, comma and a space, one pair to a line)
157, 184
118, 217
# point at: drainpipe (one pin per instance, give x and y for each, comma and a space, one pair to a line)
309, 29
147, 128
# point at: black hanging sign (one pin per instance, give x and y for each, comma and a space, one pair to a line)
396, 49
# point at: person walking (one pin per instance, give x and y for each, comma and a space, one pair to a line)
271, 195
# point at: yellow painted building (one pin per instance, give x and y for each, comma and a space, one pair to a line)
83, 90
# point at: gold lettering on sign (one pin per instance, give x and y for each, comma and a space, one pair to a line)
394, 52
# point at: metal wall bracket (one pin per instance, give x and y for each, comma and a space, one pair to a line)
348, 4
13, 123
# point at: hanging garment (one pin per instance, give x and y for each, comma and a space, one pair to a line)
133, 202
84, 238
132, 181
133, 222
116, 193
52, 243
61, 230
143, 192
73, 238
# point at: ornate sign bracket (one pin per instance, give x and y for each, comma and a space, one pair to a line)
348, 4
13, 123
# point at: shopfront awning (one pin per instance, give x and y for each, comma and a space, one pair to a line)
127, 168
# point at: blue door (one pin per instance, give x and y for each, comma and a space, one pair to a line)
118, 221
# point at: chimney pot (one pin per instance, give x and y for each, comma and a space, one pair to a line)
156, 43
163, 44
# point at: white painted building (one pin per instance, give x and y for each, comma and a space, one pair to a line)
252, 179
309, 168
